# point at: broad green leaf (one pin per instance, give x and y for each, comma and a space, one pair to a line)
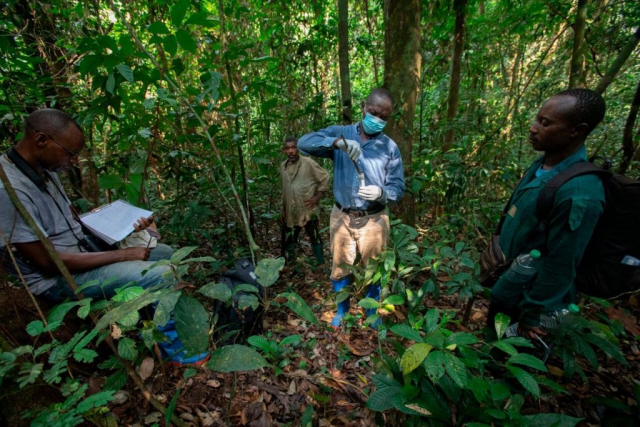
87, 285
413, 357
126, 72
178, 11
502, 323
58, 313
394, 300
218, 291
268, 271
234, 358
554, 420
456, 370
182, 253
382, 400
527, 360
292, 340
192, 324
85, 355
148, 103
116, 381
461, 338
368, 303
246, 301
200, 259
390, 261
126, 308
95, 400
186, 41
35, 328
245, 287
459, 247
127, 349
506, 347
259, 342
527, 381
111, 83
406, 331
431, 320
299, 306
84, 309
158, 28
128, 293
170, 44
165, 307
110, 182
434, 365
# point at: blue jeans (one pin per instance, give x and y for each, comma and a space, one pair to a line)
124, 273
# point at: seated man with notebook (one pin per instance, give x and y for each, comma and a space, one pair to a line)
51, 141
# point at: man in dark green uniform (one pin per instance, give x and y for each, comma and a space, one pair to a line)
560, 130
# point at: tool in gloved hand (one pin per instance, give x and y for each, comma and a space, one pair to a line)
360, 173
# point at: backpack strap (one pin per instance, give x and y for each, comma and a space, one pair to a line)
546, 198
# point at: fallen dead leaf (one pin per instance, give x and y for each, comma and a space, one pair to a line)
555, 371
116, 332
630, 322
213, 383
153, 418
146, 368
207, 418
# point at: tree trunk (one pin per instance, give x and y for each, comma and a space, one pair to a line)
343, 60
628, 147
402, 61
624, 54
456, 70
576, 76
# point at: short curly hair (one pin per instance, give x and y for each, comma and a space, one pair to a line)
49, 120
589, 108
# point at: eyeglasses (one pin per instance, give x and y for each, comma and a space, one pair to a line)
72, 153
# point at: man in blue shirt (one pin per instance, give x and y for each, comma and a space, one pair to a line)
359, 220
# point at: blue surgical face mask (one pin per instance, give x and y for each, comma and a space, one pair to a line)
372, 124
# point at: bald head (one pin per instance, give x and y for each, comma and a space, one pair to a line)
380, 95
50, 121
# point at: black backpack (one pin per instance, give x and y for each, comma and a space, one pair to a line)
234, 324
616, 238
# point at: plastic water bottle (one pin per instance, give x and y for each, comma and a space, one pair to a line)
523, 268
553, 320
548, 321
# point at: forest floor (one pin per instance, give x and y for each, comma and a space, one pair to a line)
329, 371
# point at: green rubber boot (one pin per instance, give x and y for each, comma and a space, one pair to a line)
318, 253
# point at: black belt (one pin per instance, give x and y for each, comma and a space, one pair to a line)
360, 212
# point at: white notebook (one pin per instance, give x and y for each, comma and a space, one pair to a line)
114, 222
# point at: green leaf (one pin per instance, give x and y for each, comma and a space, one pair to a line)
186, 41
87, 285
382, 400
456, 370
199, 259
506, 347
368, 303
171, 407
29, 373
110, 86
406, 331
527, 360
181, 254
60, 311
85, 355
413, 357
259, 342
85, 308
126, 72
554, 420
502, 323
234, 358
116, 381
218, 291
461, 338
35, 328
527, 381
389, 261
245, 287
110, 182
95, 400
292, 340
268, 271
127, 294
299, 306
431, 320
434, 365
165, 306
178, 12
127, 349
394, 299
192, 324
158, 28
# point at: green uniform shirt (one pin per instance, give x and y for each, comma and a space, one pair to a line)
578, 205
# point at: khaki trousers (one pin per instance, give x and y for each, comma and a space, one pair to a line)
367, 235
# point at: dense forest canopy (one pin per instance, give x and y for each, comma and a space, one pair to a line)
185, 105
